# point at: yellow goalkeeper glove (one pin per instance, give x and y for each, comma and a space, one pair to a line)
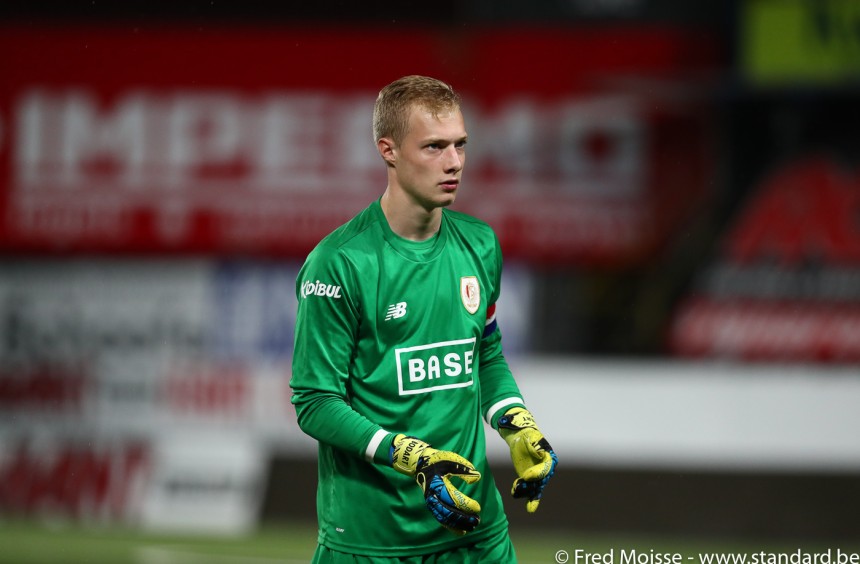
533, 458
433, 470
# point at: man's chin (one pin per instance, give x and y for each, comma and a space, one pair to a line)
447, 200
439, 201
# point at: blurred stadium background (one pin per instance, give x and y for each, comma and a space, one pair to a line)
675, 186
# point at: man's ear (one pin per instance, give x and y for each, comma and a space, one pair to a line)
387, 151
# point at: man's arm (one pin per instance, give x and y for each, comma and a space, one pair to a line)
329, 419
327, 324
499, 390
503, 407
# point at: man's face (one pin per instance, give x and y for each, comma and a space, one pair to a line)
431, 156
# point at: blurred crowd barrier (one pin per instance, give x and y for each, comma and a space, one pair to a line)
143, 390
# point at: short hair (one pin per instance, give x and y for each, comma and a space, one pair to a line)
395, 101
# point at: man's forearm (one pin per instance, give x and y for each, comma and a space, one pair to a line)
329, 419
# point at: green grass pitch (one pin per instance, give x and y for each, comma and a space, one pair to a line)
290, 543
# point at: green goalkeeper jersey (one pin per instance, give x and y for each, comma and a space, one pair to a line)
396, 336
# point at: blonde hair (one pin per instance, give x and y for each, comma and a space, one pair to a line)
395, 101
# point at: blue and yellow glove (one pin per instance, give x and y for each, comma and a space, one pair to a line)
433, 470
533, 458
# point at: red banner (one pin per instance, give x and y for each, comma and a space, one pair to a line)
65, 479
762, 330
787, 286
258, 140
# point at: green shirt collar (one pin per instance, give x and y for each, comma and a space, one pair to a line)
418, 251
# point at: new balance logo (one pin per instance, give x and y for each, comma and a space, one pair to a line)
396, 311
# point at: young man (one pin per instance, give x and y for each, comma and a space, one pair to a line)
398, 358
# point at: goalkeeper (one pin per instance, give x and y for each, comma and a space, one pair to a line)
398, 358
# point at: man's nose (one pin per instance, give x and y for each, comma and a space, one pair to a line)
453, 159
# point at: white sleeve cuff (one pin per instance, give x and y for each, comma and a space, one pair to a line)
374, 443
488, 417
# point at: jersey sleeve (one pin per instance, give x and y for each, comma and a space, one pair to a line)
327, 323
499, 390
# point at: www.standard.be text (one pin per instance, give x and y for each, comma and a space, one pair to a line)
633, 556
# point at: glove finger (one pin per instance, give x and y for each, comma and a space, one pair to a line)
470, 477
458, 522
528, 449
467, 474
453, 516
540, 474
454, 497
530, 490
448, 462
533, 489
540, 470
451, 464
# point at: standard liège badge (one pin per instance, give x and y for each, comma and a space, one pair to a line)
470, 293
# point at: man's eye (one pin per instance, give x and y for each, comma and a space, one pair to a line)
461, 144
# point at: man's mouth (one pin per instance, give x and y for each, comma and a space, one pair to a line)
449, 185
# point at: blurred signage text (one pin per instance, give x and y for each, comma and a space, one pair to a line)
787, 284
573, 170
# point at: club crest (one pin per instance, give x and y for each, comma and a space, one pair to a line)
470, 292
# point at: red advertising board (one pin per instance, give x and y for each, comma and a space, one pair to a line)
786, 286
257, 140
68, 479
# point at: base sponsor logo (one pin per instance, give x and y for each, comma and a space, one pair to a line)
437, 366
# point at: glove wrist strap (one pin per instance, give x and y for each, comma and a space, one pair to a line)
515, 420
406, 453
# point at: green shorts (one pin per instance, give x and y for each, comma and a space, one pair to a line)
497, 549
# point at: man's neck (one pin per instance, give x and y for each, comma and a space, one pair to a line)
408, 219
